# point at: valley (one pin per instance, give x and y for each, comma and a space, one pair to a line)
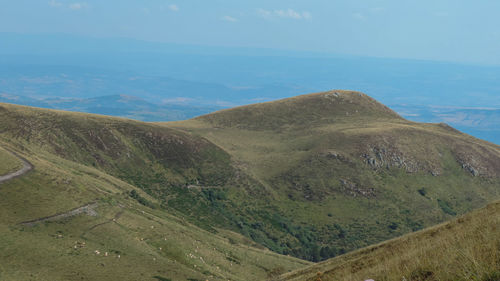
465, 248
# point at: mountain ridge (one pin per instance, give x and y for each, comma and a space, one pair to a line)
321, 186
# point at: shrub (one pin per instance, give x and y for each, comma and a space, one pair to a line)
140, 199
422, 191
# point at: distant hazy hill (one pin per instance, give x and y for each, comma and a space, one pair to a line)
481, 122
116, 105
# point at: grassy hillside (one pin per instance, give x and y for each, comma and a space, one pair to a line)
465, 248
78, 159
149, 156
302, 111
343, 171
9, 162
312, 177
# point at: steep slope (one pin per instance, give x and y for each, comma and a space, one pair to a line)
465, 248
71, 218
343, 171
149, 156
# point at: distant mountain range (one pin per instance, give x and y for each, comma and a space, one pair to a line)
116, 105
205, 78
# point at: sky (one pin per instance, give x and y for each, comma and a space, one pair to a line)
442, 30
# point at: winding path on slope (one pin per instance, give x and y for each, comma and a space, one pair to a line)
87, 208
27, 166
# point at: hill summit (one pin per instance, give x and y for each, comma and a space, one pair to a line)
305, 110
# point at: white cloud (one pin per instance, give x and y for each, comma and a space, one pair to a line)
289, 13
77, 6
229, 18
54, 3
72, 6
264, 13
173, 7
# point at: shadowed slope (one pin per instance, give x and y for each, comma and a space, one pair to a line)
149, 156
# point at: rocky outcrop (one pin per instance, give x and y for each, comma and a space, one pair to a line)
468, 167
470, 164
383, 157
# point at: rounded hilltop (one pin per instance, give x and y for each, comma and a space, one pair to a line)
305, 110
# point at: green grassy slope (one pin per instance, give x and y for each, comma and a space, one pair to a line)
301, 111
465, 248
73, 167
342, 171
312, 177
9, 162
146, 154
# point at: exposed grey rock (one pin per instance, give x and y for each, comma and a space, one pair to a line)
468, 167
382, 157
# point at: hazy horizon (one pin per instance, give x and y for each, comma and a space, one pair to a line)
428, 30
430, 61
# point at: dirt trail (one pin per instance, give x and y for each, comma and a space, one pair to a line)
27, 166
88, 209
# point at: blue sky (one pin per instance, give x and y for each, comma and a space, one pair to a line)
458, 30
